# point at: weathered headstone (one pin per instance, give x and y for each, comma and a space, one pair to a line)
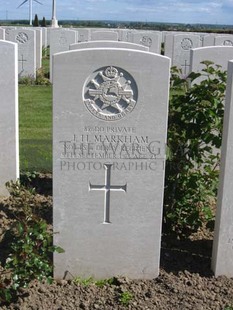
26, 40
9, 149
109, 134
222, 262
107, 44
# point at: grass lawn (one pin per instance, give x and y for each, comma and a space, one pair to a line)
35, 128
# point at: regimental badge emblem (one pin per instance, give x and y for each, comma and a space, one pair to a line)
110, 93
146, 41
186, 44
21, 38
228, 43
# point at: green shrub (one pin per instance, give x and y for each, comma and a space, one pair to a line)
30, 248
194, 131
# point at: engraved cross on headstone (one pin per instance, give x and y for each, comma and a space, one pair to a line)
22, 60
186, 65
107, 188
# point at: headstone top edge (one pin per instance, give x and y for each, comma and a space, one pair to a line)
212, 47
8, 43
117, 49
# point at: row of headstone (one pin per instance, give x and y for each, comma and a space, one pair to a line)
109, 136
178, 46
30, 43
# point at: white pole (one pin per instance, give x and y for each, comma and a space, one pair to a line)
30, 11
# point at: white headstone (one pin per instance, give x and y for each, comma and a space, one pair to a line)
2, 34
208, 40
224, 40
26, 40
152, 40
222, 262
60, 41
44, 37
8, 30
168, 45
219, 55
112, 44
110, 122
182, 45
83, 35
9, 148
104, 35
38, 47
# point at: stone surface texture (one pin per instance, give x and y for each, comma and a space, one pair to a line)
222, 262
9, 150
110, 123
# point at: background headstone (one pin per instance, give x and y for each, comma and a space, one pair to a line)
182, 45
208, 40
224, 40
222, 262
219, 55
83, 35
152, 40
104, 35
26, 40
108, 44
38, 47
60, 41
8, 30
2, 34
110, 122
9, 148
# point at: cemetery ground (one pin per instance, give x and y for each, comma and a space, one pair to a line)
185, 281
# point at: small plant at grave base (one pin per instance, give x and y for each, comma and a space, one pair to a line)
5, 291
30, 251
228, 308
194, 130
125, 298
41, 79
27, 80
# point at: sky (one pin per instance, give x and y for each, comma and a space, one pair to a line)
171, 11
